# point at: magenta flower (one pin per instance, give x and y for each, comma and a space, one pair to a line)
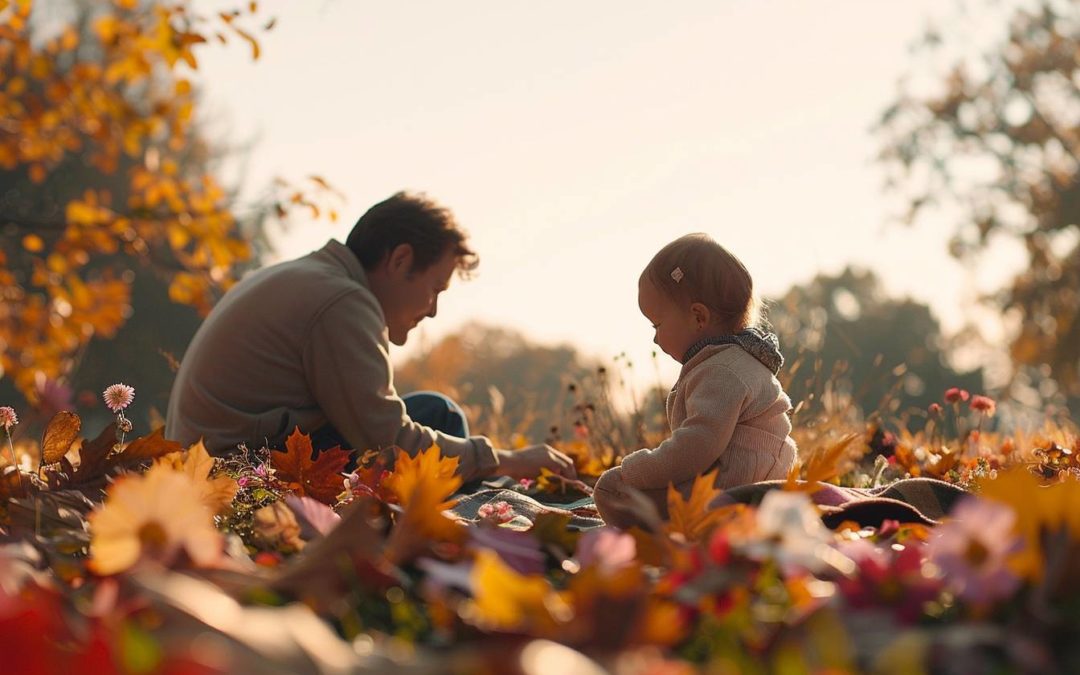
118, 396
8, 418
972, 550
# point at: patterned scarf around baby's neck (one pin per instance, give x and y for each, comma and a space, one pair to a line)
763, 346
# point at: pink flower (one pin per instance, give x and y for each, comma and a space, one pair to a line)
526, 483
984, 404
972, 550
243, 481
118, 396
935, 409
500, 512
956, 394
8, 418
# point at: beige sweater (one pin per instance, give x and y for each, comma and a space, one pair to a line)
726, 411
301, 343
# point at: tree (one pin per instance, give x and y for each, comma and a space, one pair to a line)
998, 147
510, 384
888, 354
107, 185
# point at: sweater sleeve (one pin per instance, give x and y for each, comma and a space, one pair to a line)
347, 365
714, 401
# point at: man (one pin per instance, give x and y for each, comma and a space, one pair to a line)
305, 344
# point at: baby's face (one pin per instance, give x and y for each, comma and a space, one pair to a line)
676, 327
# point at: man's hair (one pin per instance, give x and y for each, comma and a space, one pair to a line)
694, 268
414, 219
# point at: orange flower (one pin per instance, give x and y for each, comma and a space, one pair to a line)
154, 516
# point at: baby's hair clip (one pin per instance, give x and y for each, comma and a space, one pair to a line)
677, 274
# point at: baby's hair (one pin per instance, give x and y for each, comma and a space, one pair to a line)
694, 268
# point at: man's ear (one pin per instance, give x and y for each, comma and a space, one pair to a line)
702, 315
399, 262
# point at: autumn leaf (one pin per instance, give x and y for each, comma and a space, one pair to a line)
320, 478
217, 493
693, 519
508, 601
422, 485
93, 457
428, 469
151, 446
58, 436
823, 464
553, 529
1040, 509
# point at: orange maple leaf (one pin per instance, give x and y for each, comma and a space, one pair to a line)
421, 485
693, 518
427, 471
319, 478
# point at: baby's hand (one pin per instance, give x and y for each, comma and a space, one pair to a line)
527, 462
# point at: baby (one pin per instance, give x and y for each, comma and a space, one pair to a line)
727, 410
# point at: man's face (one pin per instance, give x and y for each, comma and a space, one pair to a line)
414, 296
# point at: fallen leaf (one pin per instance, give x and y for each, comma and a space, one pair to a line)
60, 433
320, 478
693, 518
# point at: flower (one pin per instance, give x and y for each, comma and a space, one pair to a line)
118, 396
973, 548
153, 516
500, 512
934, 409
8, 418
956, 394
791, 533
984, 404
889, 578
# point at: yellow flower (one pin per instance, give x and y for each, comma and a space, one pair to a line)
154, 516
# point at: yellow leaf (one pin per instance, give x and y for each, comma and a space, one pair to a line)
427, 469
1039, 509
506, 600
196, 463
693, 518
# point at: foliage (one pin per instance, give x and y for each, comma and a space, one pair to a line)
994, 146
106, 179
886, 355
159, 546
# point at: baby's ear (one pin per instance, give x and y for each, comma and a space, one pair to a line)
702, 315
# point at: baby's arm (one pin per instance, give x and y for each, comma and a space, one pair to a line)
713, 405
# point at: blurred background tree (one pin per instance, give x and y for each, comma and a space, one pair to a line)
994, 145
885, 354
507, 383
116, 232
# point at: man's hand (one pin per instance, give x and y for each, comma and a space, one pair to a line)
527, 462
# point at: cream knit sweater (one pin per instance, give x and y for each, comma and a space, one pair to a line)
726, 411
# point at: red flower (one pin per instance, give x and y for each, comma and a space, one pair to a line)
984, 404
956, 394
935, 409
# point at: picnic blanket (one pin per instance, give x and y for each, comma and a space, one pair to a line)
583, 514
910, 500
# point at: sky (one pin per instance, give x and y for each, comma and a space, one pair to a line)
574, 139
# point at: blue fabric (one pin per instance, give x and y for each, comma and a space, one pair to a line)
429, 408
